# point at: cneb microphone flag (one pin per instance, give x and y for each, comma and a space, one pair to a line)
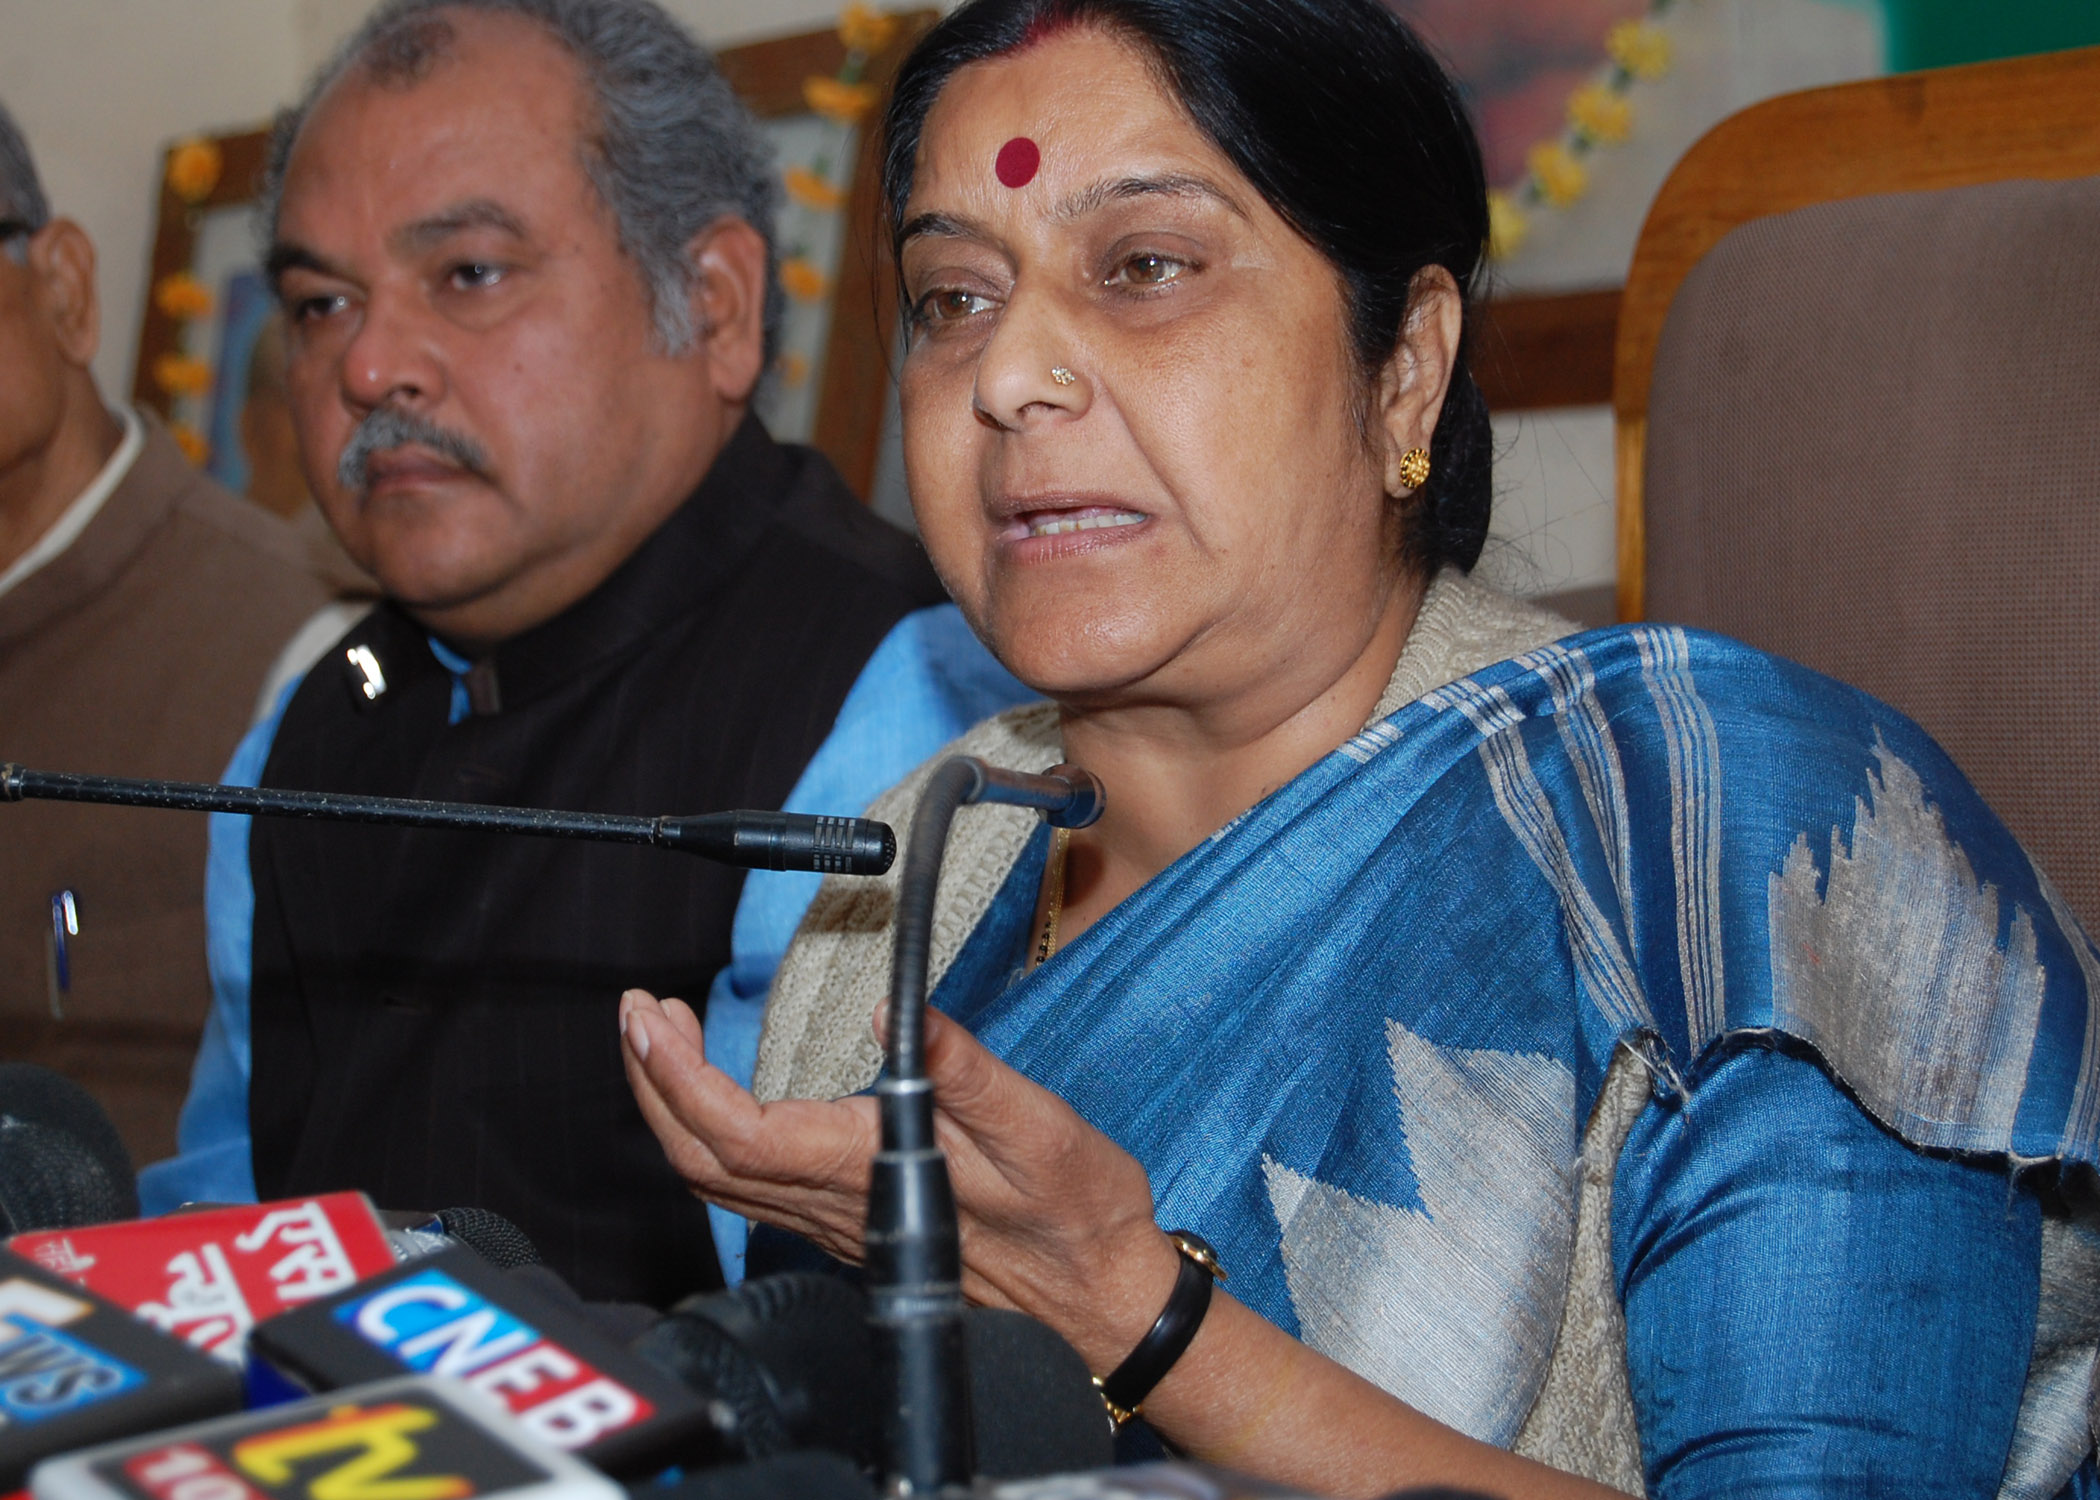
453, 1314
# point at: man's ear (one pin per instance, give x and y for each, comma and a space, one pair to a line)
729, 305
63, 260
1410, 391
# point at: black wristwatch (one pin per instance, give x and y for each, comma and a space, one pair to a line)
1127, 1386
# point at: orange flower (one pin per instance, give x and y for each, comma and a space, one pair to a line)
191, 442
1507, 226
812, 191
194, 166
1601, 112
801, 279
1640, 48
838, 101
1560, 175
863, 28
794, 370
181, 375
182, 296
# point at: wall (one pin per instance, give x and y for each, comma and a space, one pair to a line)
1554, 525
99, 86
719, 23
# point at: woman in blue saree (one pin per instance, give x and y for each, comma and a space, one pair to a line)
1614, 1060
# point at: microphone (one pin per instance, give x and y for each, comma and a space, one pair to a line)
208, 1277
453, 1314
788, 1363
418, 1438
76, 1369
62, 1162
914, 1242
748, 840
487, 1233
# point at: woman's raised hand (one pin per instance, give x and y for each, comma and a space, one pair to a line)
1056, 1218
1056, 1221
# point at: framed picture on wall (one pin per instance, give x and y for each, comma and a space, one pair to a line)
210, 356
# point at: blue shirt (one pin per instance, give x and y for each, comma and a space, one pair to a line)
925, 684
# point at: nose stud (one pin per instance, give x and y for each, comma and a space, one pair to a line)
1063, 376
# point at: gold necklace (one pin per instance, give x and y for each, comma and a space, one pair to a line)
1053, 894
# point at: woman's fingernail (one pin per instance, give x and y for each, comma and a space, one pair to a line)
636, 1030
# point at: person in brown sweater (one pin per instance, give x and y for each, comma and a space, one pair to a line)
142, 607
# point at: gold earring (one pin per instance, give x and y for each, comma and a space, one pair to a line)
1414, 468
1063, 376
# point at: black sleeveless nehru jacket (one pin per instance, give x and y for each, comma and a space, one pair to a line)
434, 1012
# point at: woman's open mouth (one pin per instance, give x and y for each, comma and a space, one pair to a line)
1065, 522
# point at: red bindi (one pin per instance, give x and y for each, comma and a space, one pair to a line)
1018, 160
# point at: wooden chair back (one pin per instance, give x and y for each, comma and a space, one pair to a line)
2032, 117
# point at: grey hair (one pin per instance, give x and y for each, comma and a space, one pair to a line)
673, 150
21, 195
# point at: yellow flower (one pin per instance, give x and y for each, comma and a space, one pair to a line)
803, 281
1601, 112
180, 375
794, 370
1561, 178
863, 28
1640, 48
812, 191
1507, 226
194, 166
191, 442
839, 101
182, 296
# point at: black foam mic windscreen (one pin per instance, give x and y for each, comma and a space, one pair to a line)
62, 1163
787, 1362
491, 1236
1033, 1406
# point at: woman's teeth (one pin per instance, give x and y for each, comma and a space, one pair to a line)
1060, 525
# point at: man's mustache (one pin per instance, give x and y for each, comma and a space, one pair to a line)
390, 427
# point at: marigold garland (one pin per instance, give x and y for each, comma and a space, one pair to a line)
182, 297
865, 29
801, 279
1557, 173
1640, 48
194, 167
838, 100
1601, 113
182, 375
191, 442
812, 191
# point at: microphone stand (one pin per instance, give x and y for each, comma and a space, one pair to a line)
749, 840
914, 1242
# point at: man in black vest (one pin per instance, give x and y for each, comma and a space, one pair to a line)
523, 248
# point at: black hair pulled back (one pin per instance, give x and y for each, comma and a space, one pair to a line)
1346, 125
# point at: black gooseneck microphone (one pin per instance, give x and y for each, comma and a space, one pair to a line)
914, 1244
750, 840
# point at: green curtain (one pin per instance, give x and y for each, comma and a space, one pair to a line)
1939, 33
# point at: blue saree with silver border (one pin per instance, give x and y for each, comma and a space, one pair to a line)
1354, 1037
